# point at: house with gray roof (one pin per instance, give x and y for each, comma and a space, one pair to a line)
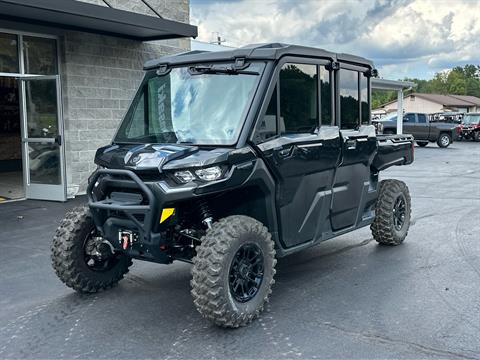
434, 103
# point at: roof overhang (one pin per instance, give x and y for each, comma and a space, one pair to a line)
80, 16
384, 84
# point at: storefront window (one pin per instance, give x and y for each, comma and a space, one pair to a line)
8, 53
40, 55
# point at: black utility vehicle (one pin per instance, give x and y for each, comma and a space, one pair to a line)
421, 126
228, 160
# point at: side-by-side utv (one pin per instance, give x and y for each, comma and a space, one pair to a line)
228, 160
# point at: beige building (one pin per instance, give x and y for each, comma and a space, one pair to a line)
434, 103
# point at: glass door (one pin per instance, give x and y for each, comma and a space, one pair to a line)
42, 138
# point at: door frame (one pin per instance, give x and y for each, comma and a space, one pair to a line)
35, 191
22, 102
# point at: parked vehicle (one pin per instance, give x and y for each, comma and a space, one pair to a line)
421, 127
469, 129
450, 117
226, 161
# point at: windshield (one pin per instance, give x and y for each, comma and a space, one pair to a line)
471, 119
203, 104
389, 117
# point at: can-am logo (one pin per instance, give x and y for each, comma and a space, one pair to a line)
135, 159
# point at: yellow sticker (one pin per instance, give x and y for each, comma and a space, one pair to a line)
166, 213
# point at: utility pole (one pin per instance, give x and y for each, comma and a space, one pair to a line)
218, 40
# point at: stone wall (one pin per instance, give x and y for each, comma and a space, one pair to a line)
99, 77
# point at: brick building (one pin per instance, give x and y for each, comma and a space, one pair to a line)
68, 70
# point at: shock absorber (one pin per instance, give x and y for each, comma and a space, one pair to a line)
205, 213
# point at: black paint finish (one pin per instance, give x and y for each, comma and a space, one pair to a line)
305, 187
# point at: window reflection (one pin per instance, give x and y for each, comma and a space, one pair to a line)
298, 98
41, 100
8, 53
267, 126
349, 102
186, 107
326, 96
44, 163
40, 55
364, 99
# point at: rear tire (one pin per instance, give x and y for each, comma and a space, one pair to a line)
222, 287
69, 256
392, 213
476, 136
422, 143
444, 140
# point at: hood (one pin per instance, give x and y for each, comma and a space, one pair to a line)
147, 157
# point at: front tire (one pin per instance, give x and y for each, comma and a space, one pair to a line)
80, 260
233, 271
392, 213
422, 143
444, 140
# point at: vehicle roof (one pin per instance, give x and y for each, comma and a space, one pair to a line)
270, 51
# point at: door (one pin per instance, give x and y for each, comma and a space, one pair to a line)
301, 155
359, 144
422, 130
42, 138
409, 124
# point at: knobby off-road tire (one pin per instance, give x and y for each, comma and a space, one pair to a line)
444, 140
387, 228
212, 290
68, 255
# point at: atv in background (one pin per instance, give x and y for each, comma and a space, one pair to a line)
469, 129
230, 160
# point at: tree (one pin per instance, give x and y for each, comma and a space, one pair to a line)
457, 81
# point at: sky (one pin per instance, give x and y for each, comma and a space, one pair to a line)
404, 38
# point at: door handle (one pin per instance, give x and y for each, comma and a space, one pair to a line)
58, 140
351, 144
285, 152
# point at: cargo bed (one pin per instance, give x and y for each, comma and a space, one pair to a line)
393, 150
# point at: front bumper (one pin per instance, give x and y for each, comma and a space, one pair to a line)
134, 209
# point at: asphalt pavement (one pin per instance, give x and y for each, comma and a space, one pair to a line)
346, 298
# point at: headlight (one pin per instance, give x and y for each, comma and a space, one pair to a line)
209, 174
184, 176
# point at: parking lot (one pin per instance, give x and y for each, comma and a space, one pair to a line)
346, 298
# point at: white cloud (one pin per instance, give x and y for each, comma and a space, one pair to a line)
411, 38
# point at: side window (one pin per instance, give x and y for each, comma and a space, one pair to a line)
298, 98
349, 100
409, 118
138, 125
364, 99
325, 96
267, 127
422, 118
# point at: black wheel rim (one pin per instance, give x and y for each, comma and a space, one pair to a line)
399, 212
97, 254
246, 272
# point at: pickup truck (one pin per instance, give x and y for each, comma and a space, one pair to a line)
420, 126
